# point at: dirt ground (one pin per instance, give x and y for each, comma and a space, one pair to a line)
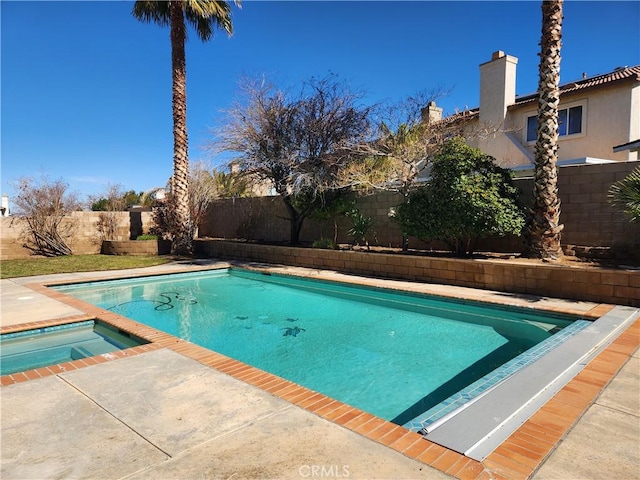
568, 260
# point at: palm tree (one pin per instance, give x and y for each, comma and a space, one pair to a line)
544, 230
203, 16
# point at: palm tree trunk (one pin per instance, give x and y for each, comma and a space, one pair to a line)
543, 231
180, 180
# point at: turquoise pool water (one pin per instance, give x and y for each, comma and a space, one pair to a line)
396, 355
47, 346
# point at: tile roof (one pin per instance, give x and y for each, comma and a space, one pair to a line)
619, 74
461, 116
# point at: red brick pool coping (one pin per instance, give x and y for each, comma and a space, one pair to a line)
518, 457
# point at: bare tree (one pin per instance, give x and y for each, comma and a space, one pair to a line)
45, 206
409, 133
406, 138
297, 142
111, 201
203, 191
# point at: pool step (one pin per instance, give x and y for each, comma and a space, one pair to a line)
79, 352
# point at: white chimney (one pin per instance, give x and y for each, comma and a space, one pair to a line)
497, 87
5, 206
431, 113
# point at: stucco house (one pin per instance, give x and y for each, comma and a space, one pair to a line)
599, 117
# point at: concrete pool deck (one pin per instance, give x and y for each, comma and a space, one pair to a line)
165, 413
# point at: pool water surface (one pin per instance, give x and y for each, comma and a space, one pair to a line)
396, 355
48, 346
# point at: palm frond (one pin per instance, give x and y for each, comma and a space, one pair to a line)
203, 15
625, 195
152, 11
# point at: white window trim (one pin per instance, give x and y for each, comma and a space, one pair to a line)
562, 106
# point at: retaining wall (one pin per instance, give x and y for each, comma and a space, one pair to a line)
136, 247
619, 286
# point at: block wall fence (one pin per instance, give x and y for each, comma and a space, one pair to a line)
588, 218
85, 239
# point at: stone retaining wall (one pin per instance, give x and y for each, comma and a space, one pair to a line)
570, 282
136, 247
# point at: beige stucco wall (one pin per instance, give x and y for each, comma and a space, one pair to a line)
497, 87
611, 117
634, 123
491, 132
503, 142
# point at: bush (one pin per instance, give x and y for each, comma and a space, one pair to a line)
115, 200
625, 195
360, 227
466, 198
165, 221
46, 206
325, 243
147, 236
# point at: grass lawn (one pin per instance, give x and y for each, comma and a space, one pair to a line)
76, 263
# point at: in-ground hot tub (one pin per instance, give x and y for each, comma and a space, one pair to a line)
47, 346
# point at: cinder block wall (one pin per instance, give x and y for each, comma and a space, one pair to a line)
265, 218
588, 218
85, 240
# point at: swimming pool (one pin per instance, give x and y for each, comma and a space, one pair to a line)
404, 357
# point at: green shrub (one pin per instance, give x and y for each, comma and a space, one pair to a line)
360, 227
467, 197
147, 236
325, 243
625, 195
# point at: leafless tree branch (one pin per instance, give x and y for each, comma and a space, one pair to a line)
45, 205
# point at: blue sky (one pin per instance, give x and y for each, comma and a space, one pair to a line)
86, 88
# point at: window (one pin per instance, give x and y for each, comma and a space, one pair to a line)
569, 123
574, 125
532, 126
